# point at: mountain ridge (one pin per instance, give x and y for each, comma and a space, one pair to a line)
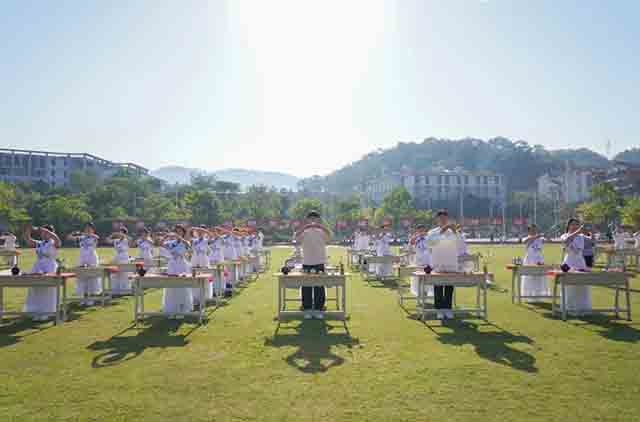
244, 177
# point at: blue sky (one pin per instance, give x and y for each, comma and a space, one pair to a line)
307, 86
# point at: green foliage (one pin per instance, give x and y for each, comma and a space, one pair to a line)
66, 213
303, 206
631, 213
498, 155
11, 212
397, 204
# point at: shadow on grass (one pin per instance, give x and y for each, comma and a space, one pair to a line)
491, 345
608, 328
121, 348
13, 330
314, 341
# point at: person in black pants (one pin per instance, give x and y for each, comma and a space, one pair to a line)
313, 297
313, 237
443, 295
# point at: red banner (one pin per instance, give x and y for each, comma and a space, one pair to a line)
363, 223
341, 224
273, 222
497, 221
387, 220
520, 221
296, 223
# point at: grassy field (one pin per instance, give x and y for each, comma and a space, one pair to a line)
383, 365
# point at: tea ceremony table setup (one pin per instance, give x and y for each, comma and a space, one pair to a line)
8, 256
143, 282
25, 281
518, 271
369, 273
621, 258
616, 280
295, 280
422, 282
102, 272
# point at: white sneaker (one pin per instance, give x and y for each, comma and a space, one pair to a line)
439, 315
308, 315
449, 314
89, 303
319, 315
179, 316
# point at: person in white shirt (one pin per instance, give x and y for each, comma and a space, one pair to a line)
43, 299
419, 242
578, 297
443, 241
88, 241
9, 244
383, 248
534, 285
636, 238
120, 283
313, 237
619, 238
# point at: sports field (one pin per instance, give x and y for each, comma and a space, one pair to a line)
381, 365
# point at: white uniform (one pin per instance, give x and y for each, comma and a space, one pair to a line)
619, 240
216, 256
179, 299
120, 281
444, 250
43, 299
578, 297
145, 250
200, 258
423, 258
10, 245
230, 254
383, 248
88, 286
236, 241
636, 237
534, 285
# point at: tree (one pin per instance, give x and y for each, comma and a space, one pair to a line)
204, 207
66, 213
397, 203
592, 212
631, 213
303, 206
11, 213
608, 200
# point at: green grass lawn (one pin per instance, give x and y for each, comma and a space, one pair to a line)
522, 366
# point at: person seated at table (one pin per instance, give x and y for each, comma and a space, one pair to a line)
383, 248
444, 247
9, 244
42, 299
534, 285
88, 241
175, 300
313, 237
578, 297
120, 283
145, 244
422, 251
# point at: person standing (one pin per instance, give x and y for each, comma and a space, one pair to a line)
444, 246
313, 237
534, 285
88, 241
578, 297
176, 300
145, 245
589, 244
43, 299
9, 244
383, 248
120, 283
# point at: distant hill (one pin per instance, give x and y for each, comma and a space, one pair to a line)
244, 177
520, 162
630, 156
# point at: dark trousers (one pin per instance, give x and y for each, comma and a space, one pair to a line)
443, 297
588, 260
313, 297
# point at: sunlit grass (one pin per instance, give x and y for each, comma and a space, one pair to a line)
383, 365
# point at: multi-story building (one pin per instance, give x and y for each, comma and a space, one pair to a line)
623, 176
55, 168
427, 187
568, 185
